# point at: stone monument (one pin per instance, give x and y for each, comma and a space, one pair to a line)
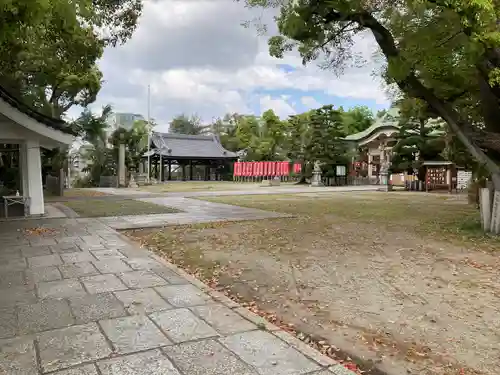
131, 182
316, 176
385, 164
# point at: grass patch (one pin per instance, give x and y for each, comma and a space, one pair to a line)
116, 207
439, 216
74, 193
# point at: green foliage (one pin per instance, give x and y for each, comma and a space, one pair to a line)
357, 119
50, 48
446, 53
135, 141
92, 130
183, 124
271, 140
420, 138
325, 143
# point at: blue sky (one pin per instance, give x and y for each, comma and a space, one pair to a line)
198, 59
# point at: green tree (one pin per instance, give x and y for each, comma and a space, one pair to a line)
135, 141
357, 119
183, 124
325, 143
446, 53
297, 141
248, 133
226, 129
92, 130
420, 138
50, 48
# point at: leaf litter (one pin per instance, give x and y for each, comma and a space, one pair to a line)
375, 296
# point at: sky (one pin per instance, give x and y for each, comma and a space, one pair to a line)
199, 60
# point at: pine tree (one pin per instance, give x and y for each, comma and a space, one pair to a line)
326, 139
420, 138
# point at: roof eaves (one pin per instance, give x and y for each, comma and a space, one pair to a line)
54, 123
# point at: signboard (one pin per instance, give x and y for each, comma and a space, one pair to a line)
340, 170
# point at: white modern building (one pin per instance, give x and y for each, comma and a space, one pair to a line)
31, 130
123, 120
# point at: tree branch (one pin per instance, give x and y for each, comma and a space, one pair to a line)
412, 85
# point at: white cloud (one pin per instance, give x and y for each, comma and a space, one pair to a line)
197, 58
280, 106
310, 102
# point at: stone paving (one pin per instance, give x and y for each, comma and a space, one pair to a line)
194, 211
80, 299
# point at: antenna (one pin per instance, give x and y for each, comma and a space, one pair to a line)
149, 132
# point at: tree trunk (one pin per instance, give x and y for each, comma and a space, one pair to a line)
414, 87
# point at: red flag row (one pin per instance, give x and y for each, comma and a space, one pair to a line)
261, 168
297, 168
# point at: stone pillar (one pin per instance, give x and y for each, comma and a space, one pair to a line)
121, 165
495, 213
23, 164
31, 169
485, 200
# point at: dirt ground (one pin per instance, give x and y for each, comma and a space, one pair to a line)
405, 285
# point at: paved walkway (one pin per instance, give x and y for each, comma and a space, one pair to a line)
194, 211
78, 299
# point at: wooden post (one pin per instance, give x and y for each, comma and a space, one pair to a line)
169, 170
190, 170
161, 168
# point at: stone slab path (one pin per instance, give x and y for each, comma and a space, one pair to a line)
194, 211
77, 298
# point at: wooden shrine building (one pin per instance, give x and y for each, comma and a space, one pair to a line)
189, 157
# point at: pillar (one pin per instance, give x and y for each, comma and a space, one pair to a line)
121, 166
169, 170
23, 164
190, 170
161, 168
31, 170
370, 164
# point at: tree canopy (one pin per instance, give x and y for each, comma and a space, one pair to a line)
446, 53
184, 124
50, 48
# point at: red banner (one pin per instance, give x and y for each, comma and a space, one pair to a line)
283, 168
260, 168
297, 168
236, 169
248, 169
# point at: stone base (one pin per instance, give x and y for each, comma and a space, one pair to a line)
273, 182
316, 179
385, 188
132, 183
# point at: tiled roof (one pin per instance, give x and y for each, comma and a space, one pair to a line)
189, 146
389, 121
54, 123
